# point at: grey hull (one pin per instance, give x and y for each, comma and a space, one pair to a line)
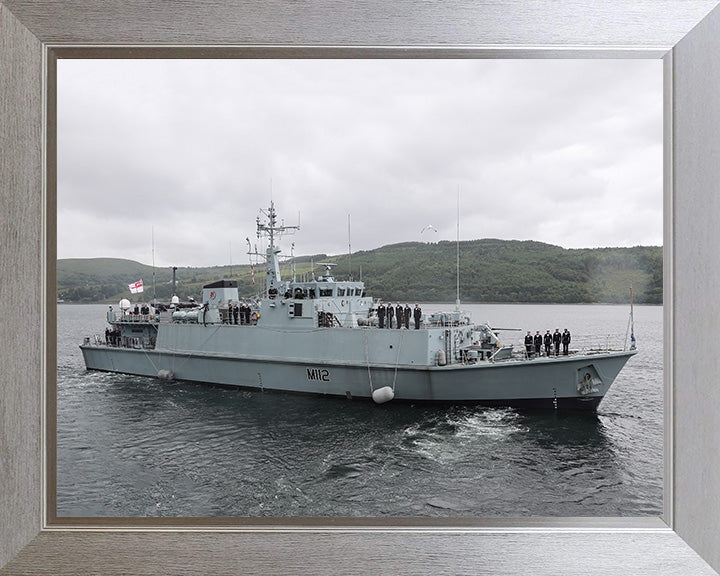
543, 382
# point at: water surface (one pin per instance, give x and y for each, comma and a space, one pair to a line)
131, 446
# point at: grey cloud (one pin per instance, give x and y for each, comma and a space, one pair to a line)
195, 149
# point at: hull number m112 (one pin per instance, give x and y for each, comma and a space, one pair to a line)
318, 374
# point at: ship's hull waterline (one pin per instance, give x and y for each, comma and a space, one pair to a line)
553, 382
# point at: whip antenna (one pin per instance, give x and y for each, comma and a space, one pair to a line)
457, 245
349, 251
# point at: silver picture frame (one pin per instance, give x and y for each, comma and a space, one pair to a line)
684, 33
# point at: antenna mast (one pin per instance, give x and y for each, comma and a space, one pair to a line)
349, 250
292, 259
250, 255
153, 261
457, 245
271, 229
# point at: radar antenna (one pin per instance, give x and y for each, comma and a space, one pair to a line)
328, 268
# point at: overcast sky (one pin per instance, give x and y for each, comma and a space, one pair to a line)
567, 152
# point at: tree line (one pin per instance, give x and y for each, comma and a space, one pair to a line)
506, 271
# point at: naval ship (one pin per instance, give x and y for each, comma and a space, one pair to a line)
322, 336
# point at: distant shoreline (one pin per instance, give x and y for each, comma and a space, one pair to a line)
491, 271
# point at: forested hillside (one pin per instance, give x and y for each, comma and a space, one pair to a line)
490, 271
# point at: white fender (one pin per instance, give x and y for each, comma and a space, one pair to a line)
382, 395
440, 358
165, 374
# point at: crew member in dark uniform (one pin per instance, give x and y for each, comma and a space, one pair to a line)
399, 312
417, 314
381, 315
538, 340
529, 344
247, 313
547, 340
565, 341
390, 314
236, 313
407, 317
557, 337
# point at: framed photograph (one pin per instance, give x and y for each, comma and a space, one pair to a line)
678, 542
518, 165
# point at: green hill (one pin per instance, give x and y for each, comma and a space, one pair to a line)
490, 271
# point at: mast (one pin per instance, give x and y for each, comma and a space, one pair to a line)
271, 229
457, 264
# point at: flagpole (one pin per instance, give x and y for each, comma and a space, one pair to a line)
250, 252
631, 324
632, 321
153, 263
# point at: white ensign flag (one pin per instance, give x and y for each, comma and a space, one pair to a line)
137, 287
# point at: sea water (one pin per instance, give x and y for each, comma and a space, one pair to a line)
133, 446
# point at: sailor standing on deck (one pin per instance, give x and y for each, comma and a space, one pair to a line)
556, 341
399, 315
417, 314
538, 340
565, 341
381, 315
390, 314
407, 317
547, 340
528, 344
